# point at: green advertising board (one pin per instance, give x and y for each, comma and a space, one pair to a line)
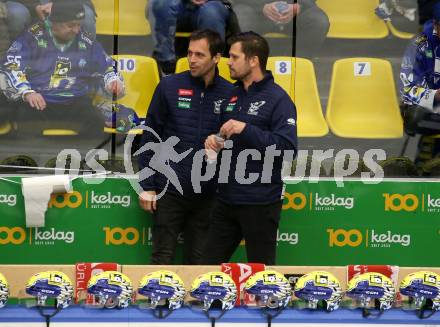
393, 222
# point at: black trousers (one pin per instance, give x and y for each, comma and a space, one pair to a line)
173, 215
257, 224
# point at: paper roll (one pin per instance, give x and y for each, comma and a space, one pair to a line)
37, 191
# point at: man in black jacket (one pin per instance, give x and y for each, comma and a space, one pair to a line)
185, 109
22, 13
260, 120
265, 16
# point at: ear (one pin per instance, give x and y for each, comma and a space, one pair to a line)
254, 62
216, 58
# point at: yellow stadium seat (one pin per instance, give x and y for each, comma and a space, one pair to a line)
141, 77
59, 132
183, 65
121, 17
353, 19
362, 101
297, 77
399, 34
5, 128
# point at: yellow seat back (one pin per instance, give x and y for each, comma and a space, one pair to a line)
399, 34
353, 19
141, 77
183, 65
121, 17
297, 77
362, 101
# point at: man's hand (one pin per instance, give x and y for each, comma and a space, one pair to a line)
232, 127
43, 10
270, 11
35, 100
211, 143
287, 16
116, 88
147, 201
199, 2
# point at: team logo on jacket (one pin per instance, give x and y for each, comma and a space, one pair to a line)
217, 105
183, 101
255, 106
232, 103
291, 121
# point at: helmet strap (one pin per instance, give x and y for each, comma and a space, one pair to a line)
268, 313
161, 312
46, 316
214, 319
425, 307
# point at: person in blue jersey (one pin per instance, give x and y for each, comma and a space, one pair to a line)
53, 70
260, 120
184, 110
419, 87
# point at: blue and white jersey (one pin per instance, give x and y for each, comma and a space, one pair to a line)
420, 70
58, 72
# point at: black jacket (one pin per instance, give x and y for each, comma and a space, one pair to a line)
270, 117
183, 107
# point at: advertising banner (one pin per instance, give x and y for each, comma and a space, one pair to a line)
390, 223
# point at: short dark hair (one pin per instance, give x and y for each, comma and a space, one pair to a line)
252, 44
216, 44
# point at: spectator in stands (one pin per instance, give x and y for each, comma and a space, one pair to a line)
259, 116
420, 86
4, 32
51, 69
167, 16
24, 12
265, 16
184, 110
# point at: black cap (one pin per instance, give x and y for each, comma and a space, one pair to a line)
66, 11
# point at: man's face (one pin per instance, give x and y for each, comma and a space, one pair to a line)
239, 65
199, 58
66, 31
437, 27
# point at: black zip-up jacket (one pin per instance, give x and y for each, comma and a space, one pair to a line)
183, 107
270, 117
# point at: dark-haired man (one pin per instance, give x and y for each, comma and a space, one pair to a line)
184, 110
260, 119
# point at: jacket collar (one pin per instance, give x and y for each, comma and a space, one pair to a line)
257, 86
201, 83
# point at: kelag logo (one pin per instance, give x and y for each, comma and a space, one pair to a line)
8, 199
317, 202
37, 236
106, 200
398, 202
12, 235
71, 200
370, 238
130, 236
